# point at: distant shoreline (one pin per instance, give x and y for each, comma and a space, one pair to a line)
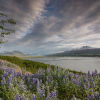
76, 56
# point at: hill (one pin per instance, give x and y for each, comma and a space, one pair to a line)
83, 51
14, 53
28, 65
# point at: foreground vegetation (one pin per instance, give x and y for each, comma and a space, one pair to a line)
48, 84
30, 66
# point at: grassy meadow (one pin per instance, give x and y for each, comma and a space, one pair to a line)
45, 82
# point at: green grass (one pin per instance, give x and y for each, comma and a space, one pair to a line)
28, 65
31, 66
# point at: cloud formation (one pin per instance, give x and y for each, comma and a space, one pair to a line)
25, 12
48, 26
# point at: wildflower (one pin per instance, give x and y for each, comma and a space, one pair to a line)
89, 73
10, 79
33, 97
34, 81
17, 97
22, 97
53, 94
3, 81
38, 85
5, 74
42, 92
88, 85
73, 98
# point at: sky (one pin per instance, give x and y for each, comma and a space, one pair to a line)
49, 26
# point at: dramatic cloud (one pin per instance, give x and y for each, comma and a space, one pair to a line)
48, 26
25, 12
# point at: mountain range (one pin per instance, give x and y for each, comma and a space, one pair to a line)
83, 51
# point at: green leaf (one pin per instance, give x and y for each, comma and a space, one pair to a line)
2, 27
11, 21
1, 42
7, 33
1, 14
3, 21
4, 33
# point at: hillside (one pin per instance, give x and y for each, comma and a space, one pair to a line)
48, 84
30, 66
14, 53
83, 51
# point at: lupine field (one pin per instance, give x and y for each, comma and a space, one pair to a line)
48, 84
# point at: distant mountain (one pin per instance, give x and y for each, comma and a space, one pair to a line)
83, 51
85, 47
14, 53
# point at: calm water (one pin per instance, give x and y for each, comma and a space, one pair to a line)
74, 63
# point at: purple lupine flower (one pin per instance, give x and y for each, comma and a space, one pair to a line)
38, 85
88, 97
88, 85
76, 81
92, 96
33, 97
92, 90
96, 94
93, 74
23, 87
53, 94
3, 81
17, 97
10, 79
5, 74
48, 70
34, 81
95, 71
70, 75
40, 81
19, 74
42, 92
73, 98
40, 71
89, 73
22, 97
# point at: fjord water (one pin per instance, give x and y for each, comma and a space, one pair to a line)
74, 63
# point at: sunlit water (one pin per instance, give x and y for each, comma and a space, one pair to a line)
74, 63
